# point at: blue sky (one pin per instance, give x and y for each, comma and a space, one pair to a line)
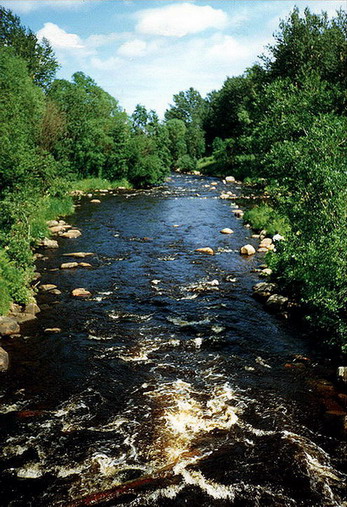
145, 51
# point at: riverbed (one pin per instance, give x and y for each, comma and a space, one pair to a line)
170, 385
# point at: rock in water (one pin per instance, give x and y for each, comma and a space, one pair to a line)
81, 293
207, 250
276, 302
49, 243
80, 255
8, 326
238, 213
74, 233
47, 287
230, 179
247, 250
3, 360
69, 265
227, 231
95, 201
342, 373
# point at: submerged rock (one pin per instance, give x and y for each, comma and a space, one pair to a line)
8, 326
4, 361
95, 201
52, 330
227, 231
247, 250
80, 255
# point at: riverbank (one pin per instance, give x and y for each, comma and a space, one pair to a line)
25, 220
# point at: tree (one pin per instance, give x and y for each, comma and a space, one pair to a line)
310, 42
96, 128
176, 130
39, 56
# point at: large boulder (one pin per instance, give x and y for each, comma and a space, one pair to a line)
4, 362
247, 250
276, 303
8, 326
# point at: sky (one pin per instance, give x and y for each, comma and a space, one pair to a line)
143, 52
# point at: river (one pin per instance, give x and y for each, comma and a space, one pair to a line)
171, 385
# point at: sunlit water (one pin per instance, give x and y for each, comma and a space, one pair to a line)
168, 387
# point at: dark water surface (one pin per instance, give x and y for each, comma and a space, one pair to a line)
169, 384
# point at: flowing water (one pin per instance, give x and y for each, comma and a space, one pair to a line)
171, 385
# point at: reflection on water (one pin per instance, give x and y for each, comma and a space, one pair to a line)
168, 387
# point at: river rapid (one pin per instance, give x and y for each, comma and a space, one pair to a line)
170, 386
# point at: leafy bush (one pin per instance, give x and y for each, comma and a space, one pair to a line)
265, 217
187, 163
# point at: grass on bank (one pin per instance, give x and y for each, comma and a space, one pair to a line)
23, 222
265, 217
89, 184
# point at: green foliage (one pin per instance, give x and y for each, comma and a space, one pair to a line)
187, 163
39, 56
265, 217
89, 184
176, 131
95, 128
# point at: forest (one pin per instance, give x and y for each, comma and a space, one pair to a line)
280, 127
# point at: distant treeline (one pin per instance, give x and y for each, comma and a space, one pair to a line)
280, 125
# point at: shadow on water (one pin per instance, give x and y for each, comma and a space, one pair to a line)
170, 385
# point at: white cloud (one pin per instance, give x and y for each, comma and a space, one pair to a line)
109, 64
26, 6
228, 48
133, 48
99, 40
58, 38
178, 20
